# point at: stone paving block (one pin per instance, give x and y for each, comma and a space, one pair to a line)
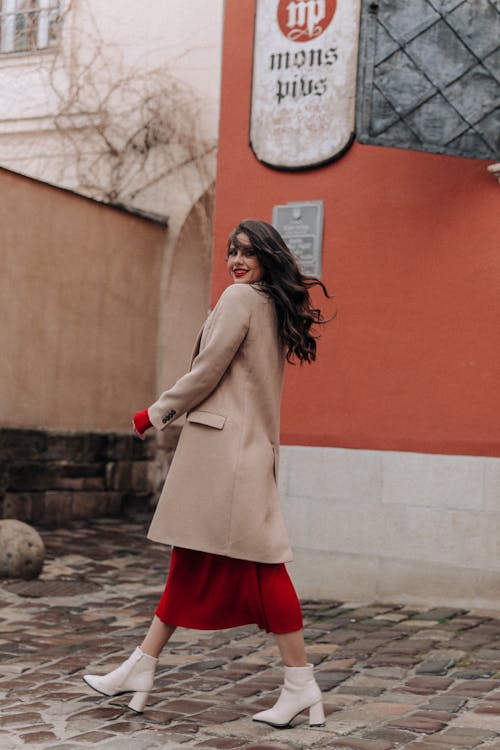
329, 680
144, 741
361, 690
473, 674
200, 666
392, 696
311, 634
440, 613
373, 711
373, 610
487, 655
473, 688
465, 623
488, 709
342, 636
416, 723
204, 684
388, 660
263, 702
361, 744
470, 641
185, 727
389, 673
243, 728
220, 715
20, 718
427, 685
243, 690
483, 721
445, 703
408, 626
489, 625
435, 667
124, 726
92, 737
37, 737
220, 743
444, 716
264, 681
340, 665
463, 737
395, 736
344, 728
366, 645
493, 697
157, 716
391, 617
439, 637
234, 672
187, 706
408, 647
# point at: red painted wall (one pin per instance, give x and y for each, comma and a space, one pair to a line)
412, 253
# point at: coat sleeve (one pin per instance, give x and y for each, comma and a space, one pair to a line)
226, 329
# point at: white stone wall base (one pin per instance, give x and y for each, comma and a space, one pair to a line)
394, 527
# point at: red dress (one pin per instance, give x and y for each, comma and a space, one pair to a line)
211, 592
205, 591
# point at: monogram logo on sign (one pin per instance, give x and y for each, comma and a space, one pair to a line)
304, 77
303, 20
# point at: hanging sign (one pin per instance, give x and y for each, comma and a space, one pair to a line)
304, 81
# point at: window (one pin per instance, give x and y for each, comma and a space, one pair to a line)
429, 76
28, 25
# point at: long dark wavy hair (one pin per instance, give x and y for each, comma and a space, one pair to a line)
288, 288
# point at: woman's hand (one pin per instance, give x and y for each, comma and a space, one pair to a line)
141, 423
140, 435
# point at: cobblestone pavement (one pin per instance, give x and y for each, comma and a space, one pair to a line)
393, 676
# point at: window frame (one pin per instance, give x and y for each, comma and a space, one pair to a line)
29, 27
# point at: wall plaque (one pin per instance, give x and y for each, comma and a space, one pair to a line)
304, 81
301, 226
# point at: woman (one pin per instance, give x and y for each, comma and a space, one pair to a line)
220, 507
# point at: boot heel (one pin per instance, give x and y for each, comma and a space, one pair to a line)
138, 702
317, 715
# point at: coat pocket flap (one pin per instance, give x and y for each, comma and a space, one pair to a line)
208, 418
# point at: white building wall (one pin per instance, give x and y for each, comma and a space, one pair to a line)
390, 526
116, 39
186, 36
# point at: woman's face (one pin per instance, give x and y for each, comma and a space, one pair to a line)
242, 262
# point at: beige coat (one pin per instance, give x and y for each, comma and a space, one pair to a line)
220, 495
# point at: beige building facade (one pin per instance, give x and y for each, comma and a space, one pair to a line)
79, 300
119, 102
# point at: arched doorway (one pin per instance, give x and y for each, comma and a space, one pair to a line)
188, 288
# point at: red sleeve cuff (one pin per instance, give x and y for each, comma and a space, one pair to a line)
142, 421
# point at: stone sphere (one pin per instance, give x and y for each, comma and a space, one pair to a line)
21, 550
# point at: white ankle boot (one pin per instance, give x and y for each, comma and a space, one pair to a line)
300, 691
134, 675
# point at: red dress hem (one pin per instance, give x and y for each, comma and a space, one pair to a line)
205, 591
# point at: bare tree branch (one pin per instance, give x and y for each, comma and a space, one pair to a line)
125, 130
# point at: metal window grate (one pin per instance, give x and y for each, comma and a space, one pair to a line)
28, 25
429, 76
